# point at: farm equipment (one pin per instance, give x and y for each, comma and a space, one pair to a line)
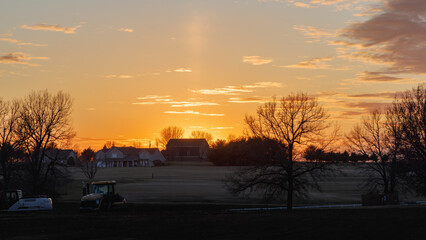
101, 197
12, 201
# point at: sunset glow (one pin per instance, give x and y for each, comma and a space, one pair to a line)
135, 67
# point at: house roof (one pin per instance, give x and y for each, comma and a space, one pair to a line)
187, 142
135, 151
58, 153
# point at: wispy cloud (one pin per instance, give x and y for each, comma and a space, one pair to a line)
19, 58
314, 32
166, 100
366, 106
191, 112
153, 97
256, 60
17, 42
221, 128
379, 95
54, 28
315, 63
249, 100
235, 90
183, 70
396, 36
121, 76
129, 30
379, 77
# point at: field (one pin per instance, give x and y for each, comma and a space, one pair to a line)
203, 183
188, 201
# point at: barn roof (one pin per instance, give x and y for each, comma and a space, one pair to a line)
187, 142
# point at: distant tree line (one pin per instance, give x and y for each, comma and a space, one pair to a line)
29, 128
249, 151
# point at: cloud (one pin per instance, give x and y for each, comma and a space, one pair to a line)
380, 95
19, 58
153, 97
302, 5
339, 4
396, 36
17, 42
166, 100
191, 112
248, 100
129, 30
235, 90
315, 63
221, 128
256, 60
183, 70
54, 28
366, 106
379, 77
314, 32
124, 76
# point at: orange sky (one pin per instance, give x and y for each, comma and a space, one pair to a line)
134, 67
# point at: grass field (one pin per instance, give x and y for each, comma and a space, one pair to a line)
144, 221
203, 183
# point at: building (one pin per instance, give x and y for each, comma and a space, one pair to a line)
187, 150
60, 156
129, 157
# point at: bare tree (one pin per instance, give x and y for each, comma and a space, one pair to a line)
372, 138
293, 121
9, 141
168, 133
88, 163
202, 135
410, 112
44, 121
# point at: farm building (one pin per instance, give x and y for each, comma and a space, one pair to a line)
129, 157
187, 149
61, 156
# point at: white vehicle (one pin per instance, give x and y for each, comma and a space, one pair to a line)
11, 200
32, 204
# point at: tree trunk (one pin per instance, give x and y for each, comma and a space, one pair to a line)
290, 178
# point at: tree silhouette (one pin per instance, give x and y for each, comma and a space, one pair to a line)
292, 121
171, 132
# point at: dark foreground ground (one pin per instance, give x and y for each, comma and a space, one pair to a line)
215, 222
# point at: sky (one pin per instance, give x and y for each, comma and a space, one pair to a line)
134, 67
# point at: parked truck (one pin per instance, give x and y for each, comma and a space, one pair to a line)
101, 196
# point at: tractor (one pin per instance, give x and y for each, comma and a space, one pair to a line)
101, 197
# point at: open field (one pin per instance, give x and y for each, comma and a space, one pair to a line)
202, 183
215, 222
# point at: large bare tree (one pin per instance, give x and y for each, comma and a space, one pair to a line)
44, 121
9, 141
375, 137
293, 121
410, 112
168, 133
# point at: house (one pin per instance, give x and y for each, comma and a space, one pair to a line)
187, 149
129, 157
60, 156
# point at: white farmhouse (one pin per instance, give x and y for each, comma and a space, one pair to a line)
129, 157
